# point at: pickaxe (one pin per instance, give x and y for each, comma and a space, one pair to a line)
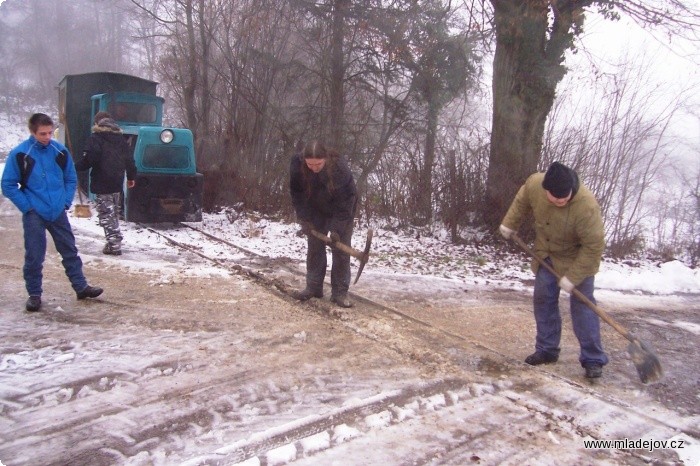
362, 256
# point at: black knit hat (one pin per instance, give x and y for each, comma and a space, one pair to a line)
558, 180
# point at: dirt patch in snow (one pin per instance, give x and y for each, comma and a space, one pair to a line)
171, 367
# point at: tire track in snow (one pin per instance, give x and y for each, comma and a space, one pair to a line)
467, 420
363, 321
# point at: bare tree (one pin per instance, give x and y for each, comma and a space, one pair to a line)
531, 40
442, 72
76, 36
619, 142
675, 208
693, 234
188, 27
337, 75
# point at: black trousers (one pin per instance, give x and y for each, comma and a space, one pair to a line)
316, 259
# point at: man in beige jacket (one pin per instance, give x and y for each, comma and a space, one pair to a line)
569, 236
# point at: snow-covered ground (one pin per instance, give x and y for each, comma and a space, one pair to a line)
429, 257
421, 263
177, 346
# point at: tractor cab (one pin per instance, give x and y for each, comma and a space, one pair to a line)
130, 109
168, 187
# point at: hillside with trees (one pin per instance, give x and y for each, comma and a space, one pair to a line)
442, 108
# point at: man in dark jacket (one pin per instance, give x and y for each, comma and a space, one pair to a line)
569, 236
40, 179
109, 156
324, 194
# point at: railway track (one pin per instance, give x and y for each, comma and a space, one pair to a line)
433, 346
260, 268
212, 370
253, 265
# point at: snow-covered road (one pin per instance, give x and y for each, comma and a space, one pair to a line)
185, 362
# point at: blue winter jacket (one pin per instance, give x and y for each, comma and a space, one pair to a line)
50, 188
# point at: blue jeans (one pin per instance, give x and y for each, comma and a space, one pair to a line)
35, 229
585, 321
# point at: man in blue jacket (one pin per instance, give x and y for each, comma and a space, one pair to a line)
40, 179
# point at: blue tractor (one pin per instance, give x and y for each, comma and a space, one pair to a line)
168, 187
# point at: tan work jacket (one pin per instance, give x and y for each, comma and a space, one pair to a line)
572, 236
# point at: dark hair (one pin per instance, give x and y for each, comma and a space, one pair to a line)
101, 116
316, 150
39, 119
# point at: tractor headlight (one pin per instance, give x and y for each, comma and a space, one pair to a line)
166, 136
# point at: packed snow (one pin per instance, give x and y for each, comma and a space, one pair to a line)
416, 259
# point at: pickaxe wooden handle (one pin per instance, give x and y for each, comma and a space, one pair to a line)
362, 256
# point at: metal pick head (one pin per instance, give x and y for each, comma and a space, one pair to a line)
365, 254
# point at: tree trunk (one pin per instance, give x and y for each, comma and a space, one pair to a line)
189, 88
425, 188
452, 213
204, 90
527, 68
337, 98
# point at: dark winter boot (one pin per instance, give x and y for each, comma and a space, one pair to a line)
33, 303
90, 292
593, 370
306, 294
537, 358
341, 300
111, 250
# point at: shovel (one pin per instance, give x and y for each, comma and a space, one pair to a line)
82, 210
643, 357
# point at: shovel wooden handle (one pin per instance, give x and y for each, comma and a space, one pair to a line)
603, 315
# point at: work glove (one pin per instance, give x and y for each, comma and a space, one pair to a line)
335, 237
566, 285
505, 231
306, 227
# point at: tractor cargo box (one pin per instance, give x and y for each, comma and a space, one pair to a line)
75, 105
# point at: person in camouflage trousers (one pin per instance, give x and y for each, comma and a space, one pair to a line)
109, 156
108, 215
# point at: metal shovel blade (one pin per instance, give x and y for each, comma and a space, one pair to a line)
644, 359
646, 362
82, 211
